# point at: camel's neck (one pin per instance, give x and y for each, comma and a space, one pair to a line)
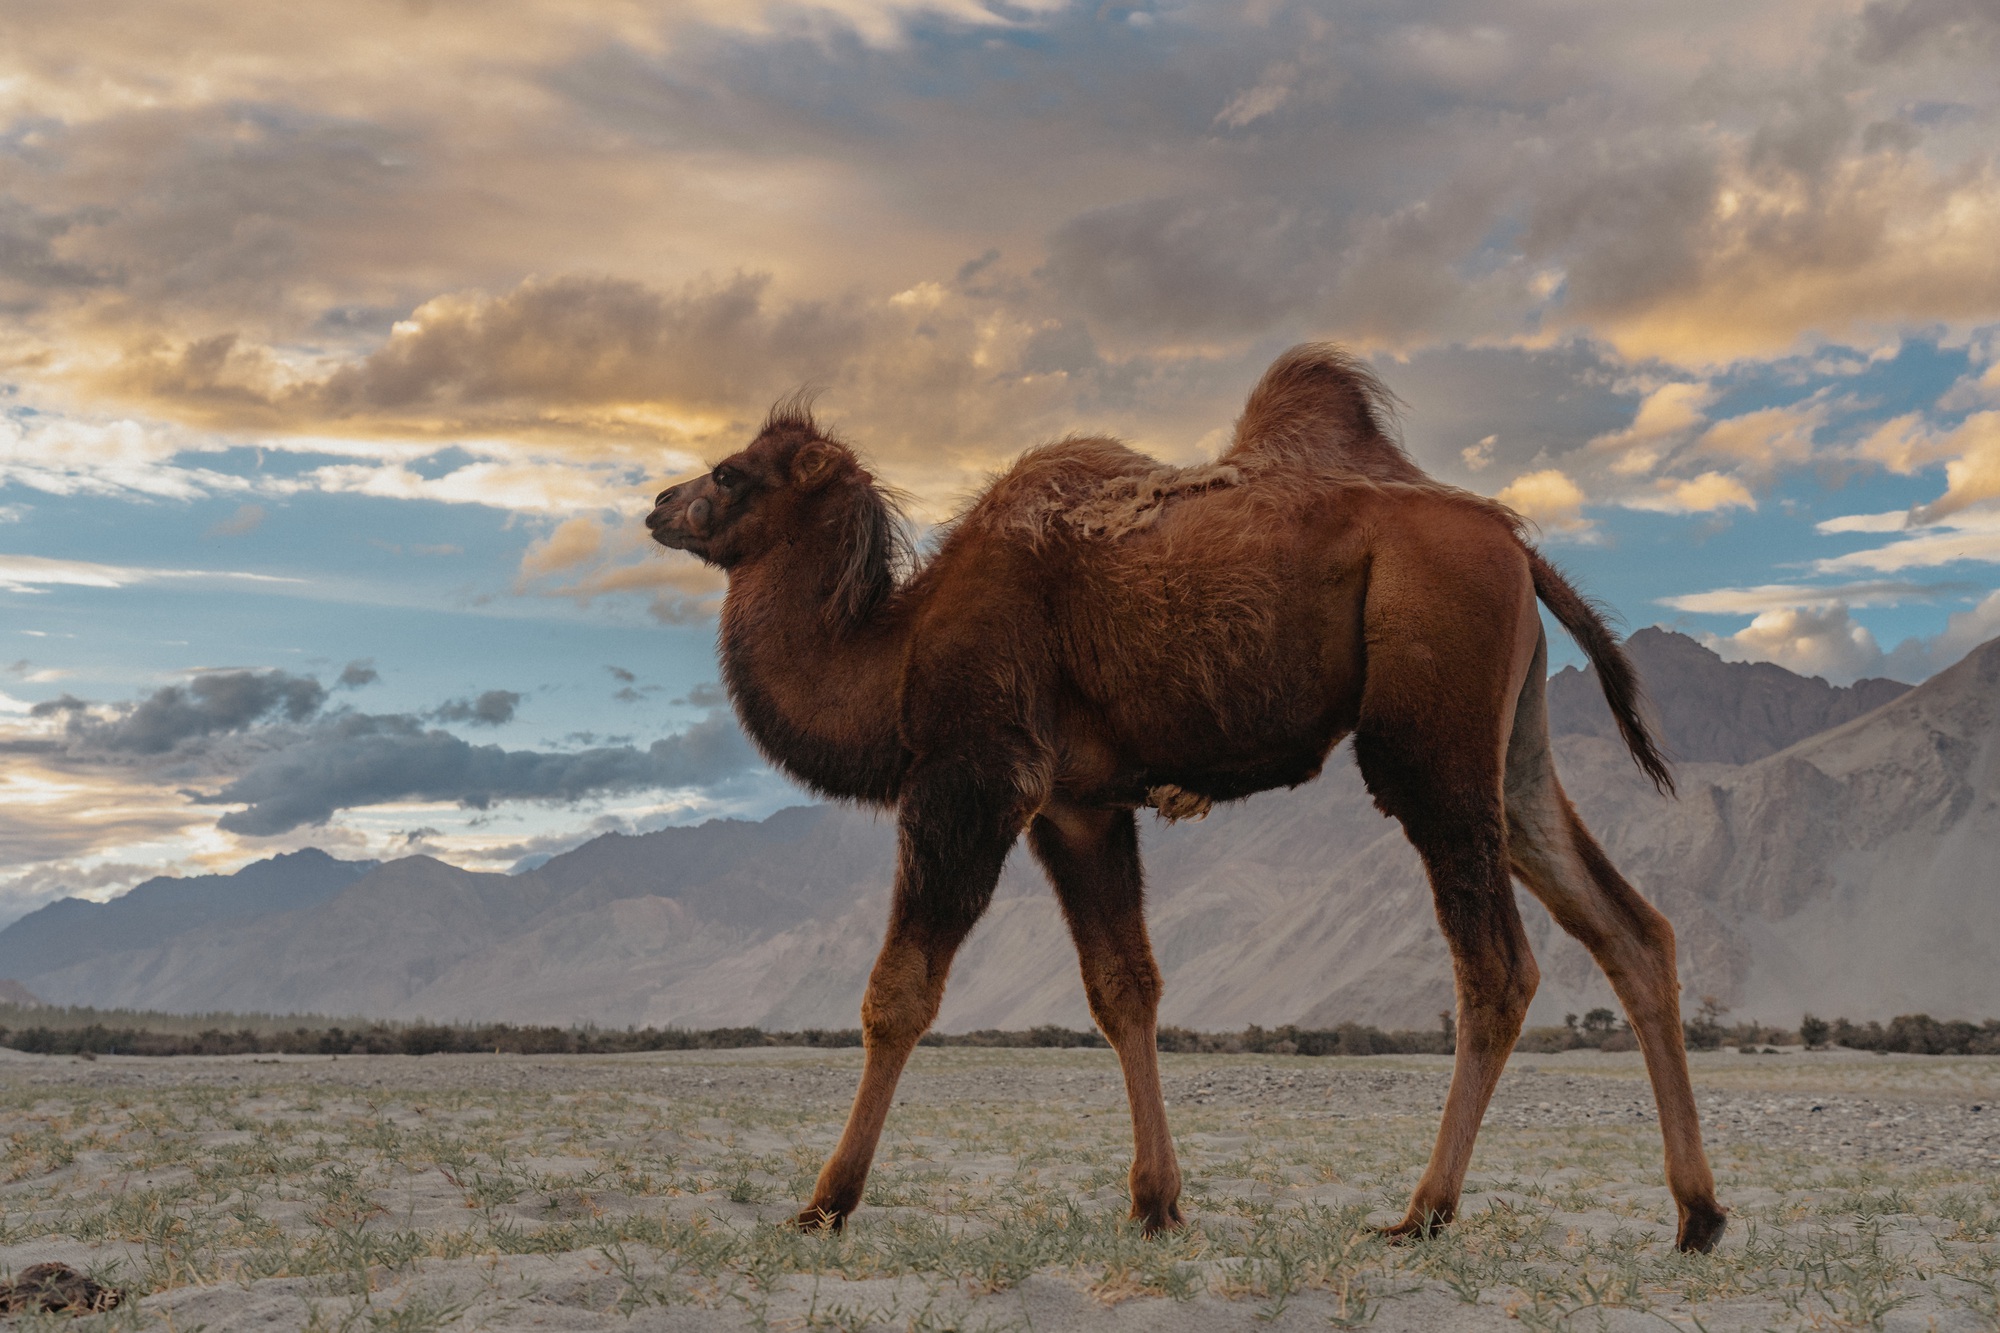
822, 701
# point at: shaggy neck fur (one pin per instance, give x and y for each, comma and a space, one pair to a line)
812, 645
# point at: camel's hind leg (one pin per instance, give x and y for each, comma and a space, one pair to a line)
1092, 860
1562, 865
1429, 747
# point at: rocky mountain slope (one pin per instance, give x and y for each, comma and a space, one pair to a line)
1712, 711
73, 930
1848, 873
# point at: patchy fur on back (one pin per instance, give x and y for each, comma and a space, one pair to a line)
1095, 489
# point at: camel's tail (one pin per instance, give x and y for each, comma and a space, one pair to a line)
1614, 670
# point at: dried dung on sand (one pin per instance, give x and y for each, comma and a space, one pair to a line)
56, 1287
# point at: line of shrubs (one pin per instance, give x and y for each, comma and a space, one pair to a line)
1599, 1029
506, 1038
414, 1039
1911, 1034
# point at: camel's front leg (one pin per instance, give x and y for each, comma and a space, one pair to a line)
904, 992
953, 835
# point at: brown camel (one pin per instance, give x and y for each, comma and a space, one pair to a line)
1097, 632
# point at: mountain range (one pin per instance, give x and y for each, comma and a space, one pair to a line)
1825, 854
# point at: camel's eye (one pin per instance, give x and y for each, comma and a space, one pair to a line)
727, 478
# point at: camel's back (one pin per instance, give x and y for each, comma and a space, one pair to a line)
1172, 599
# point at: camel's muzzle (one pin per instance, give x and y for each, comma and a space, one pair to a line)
681, 517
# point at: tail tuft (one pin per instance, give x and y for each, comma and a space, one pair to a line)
1615, 675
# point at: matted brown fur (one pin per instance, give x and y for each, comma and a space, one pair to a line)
1098, 631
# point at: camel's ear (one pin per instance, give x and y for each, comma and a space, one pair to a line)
814, 464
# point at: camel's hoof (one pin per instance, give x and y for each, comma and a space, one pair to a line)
1701, 1228
1153, 1223
817, 1221
1412, 1229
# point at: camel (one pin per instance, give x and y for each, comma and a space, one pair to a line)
1098, 632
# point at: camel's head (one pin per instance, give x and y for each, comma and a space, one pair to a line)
758, 496
793, 487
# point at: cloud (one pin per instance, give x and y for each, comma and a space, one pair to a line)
1703, 494
28, 671
1191, 266
216, 702
31, 263
573, 542
361, 671
1916, 659
30, 573
1759, 443
1813, 642
263, 740
359, 760
1822, 639
1549, 499
1786, 596
63, 455
1665, 415
492, 709
1890, 28
1972, 477
1970, 536
1975, 391
1893, 521
246, 519
526, 481
583, 559
1970, 452
1733, 246
568, 353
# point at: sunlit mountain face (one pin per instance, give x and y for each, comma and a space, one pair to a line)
341, 350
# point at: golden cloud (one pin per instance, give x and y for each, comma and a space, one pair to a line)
1548, 498
1707, 493
1761, 442
1973, 476
1879, 242
583, 559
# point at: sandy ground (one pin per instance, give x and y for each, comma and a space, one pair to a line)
644, 1192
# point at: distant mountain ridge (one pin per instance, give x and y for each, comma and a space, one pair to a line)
71, 930
1712, 711
1848, 872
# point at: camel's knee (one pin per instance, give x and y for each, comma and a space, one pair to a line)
902, 999
1638, 953
1493, 1007
1124, 993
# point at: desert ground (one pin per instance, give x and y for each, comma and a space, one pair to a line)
648, 1192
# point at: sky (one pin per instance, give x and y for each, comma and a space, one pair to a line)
342, 348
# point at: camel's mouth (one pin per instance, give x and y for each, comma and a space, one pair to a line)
676, 538
681, 525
